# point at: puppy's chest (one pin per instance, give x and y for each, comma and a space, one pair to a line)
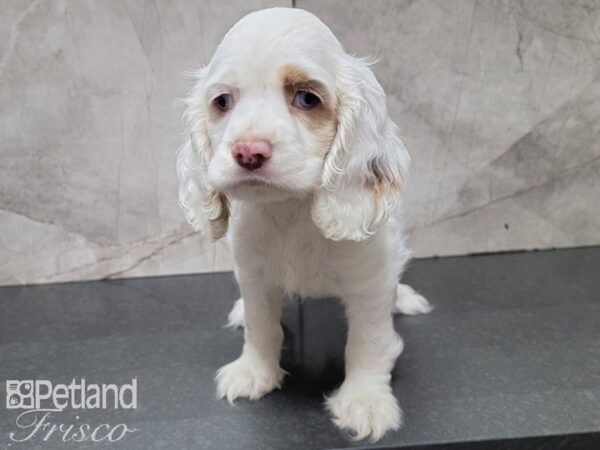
301, 262
294, 255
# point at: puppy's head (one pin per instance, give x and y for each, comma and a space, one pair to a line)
281, 111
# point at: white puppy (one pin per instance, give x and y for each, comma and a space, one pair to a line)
291, 149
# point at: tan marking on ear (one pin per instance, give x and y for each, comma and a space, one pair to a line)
380, 179
218, 226
380, 182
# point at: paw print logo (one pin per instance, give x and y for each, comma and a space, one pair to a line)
19, 394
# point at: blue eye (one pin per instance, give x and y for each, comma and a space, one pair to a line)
224, 102
306, 100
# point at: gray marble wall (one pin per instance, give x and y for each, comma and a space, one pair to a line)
498, 102
90, 121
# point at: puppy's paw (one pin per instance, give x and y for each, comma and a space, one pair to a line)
236, 316
365, 410
410, 302
247, 377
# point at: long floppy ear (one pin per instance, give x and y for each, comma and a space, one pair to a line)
367, 164
204, 208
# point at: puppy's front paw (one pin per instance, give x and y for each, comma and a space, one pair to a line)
367, 411
247, 377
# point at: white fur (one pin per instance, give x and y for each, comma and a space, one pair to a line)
408, 302
248, 377
325, 222
236, 316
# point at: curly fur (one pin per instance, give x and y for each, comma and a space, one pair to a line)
321, 218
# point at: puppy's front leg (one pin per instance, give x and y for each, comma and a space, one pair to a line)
364, 404
256, 372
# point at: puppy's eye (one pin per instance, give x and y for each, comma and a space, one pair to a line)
306, 100
224, 102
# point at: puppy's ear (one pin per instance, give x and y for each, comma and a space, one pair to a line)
367, 164
204, 208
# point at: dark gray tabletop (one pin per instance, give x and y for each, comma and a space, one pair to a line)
509, 358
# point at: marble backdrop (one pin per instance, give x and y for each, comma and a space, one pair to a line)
499, 105
90, 121
498, 102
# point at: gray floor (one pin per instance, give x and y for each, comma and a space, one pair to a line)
510, 357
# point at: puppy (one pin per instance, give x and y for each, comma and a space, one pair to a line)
292, 154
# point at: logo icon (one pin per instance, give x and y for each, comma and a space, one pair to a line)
19, 394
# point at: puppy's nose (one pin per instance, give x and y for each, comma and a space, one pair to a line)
251, 155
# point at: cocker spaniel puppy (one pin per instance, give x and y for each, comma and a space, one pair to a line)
292, 154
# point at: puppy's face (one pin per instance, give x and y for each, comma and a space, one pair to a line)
270, 116
282, 111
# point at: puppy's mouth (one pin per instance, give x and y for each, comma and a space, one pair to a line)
255, 179
257, 186
256, 182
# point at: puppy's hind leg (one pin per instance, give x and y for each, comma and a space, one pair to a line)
410, 302
236, 316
